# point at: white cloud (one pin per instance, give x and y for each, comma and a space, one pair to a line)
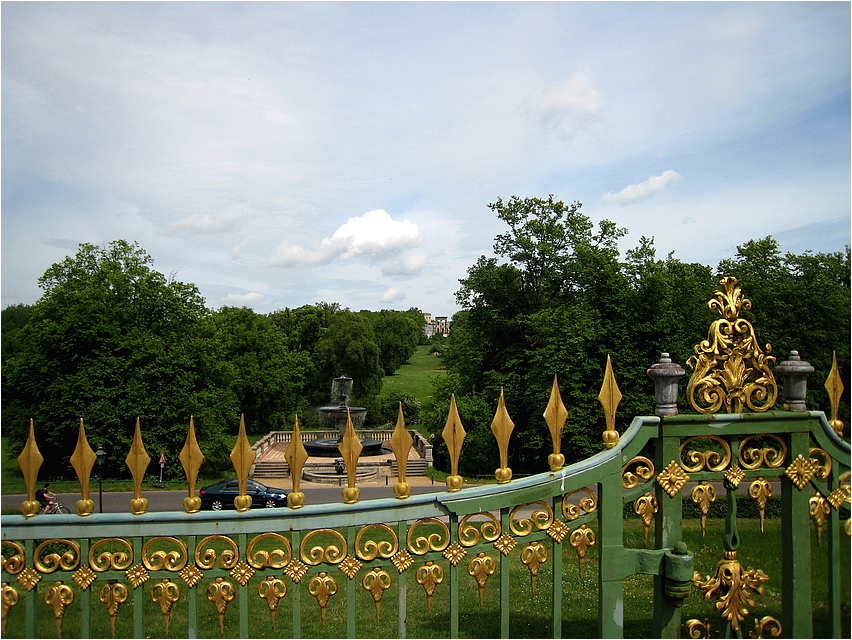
643, 190
408, 263
374, 235
243, 299
393, 295
569, 105
208, 223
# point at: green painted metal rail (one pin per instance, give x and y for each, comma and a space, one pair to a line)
369, 569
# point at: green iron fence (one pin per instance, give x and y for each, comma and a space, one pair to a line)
510, 558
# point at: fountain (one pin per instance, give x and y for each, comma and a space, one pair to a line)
338, 411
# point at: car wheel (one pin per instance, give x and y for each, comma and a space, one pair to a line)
270, 503
216, 505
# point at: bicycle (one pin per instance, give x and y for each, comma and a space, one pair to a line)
56, 507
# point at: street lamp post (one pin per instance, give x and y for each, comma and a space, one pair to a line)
101, 454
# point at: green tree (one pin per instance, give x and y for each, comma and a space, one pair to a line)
397, 335
111, 340
348, 348
268, 378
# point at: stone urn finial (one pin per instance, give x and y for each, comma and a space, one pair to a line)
795, 372
665, 375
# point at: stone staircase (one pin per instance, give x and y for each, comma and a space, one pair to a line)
415, 467
271, 469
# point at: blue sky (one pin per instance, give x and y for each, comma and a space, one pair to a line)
281, 154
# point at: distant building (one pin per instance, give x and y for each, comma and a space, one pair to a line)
440, 325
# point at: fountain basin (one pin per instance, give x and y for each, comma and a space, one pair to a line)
329, 448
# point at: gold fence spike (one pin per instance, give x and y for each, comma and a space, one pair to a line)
609, 398
30, 462
191, 458
242, 458
296, 456
350, 448
83, 459
501, 427
834, 386
454, 435
555, 416
401, 442
138, 461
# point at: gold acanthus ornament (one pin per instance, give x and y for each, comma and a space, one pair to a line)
730, 368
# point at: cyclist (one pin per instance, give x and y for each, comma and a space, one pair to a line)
45, 497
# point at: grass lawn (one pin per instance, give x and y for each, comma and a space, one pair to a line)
416, 376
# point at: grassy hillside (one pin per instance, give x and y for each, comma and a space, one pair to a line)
414, 376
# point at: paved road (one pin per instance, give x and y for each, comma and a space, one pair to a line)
119, 502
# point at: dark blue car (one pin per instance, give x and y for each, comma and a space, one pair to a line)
221, 495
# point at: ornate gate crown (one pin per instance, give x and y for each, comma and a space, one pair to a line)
729, 366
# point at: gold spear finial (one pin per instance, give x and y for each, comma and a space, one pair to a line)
83, 459
30, 462
609, 398
350, 448
834, 386
296, 456
555, 416
454, 435
138, 461
242, 457
191, 458
501, 427
401, 444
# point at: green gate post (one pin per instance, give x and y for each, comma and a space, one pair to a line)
403, 591
611, 537
796, 614
668, 531
138, 596
557, 578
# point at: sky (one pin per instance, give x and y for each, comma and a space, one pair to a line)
281, 154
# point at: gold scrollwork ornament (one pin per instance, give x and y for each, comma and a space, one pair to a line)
377, 581
277, 558
730, 368
59, 596
322, 587
818, 509
8, 599
703, 494
733, 584
272, 589
220, 593
372, 549
52, 561
469, 534
430, 575
643, 471
645, 507
113, 594
586, 504
165, 593
434, 542
117, 560
534, 555
709, 459
480, 568
541, 517
581, 539
754, 457
766, 622
760, 491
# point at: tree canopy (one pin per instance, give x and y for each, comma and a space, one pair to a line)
112, 339
558, 298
